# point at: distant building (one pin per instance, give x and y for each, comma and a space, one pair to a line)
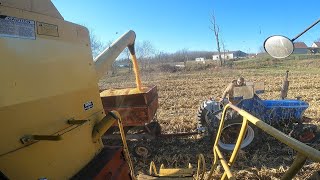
200, 59
229, 55
315, 47
300, 48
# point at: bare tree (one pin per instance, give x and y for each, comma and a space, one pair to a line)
224, 51
261, 49
184, 53
180, 55
162, 57
97, 46
126, 53
145, 50
159, 56
215, 28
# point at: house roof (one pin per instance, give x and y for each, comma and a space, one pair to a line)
300, 45
317, 43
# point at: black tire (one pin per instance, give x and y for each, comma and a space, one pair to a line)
231, 130
203, 117
232, 118
155, 128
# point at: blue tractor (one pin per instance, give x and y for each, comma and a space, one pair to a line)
281, 112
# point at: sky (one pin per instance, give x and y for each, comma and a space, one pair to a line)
172, 25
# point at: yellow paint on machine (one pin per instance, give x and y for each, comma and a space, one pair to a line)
45, 82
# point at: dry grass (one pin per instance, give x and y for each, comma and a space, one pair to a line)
180, 95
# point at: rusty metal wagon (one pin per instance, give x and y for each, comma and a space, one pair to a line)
137, 110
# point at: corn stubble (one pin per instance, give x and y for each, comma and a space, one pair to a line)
180, 95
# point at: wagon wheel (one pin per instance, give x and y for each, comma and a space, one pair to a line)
141, 151
153, 128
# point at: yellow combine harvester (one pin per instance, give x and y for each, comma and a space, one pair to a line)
50, 107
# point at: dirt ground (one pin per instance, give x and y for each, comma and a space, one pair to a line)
180, 95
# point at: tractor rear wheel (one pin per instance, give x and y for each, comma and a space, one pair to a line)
205, 120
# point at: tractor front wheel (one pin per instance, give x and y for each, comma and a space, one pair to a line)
230, 133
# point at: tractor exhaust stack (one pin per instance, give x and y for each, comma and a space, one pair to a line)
285, 86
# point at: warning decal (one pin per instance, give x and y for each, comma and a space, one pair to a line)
88, 105
17, 27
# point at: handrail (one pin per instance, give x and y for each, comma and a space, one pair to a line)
304, 151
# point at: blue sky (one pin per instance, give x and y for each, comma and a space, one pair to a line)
171, 25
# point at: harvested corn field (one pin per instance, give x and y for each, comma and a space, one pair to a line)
180, 95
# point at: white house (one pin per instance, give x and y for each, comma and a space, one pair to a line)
200, 59
315, 47
229, 55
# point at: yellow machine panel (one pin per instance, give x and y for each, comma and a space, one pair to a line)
47, 78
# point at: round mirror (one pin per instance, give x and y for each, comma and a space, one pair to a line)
278, 46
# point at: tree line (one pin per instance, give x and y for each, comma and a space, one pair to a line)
147, 53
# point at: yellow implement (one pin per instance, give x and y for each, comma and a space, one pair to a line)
179, 172
173, 172
304, 152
